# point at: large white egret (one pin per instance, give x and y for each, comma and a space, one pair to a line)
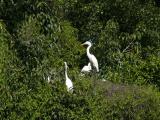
91, 57
86, 68
68, 82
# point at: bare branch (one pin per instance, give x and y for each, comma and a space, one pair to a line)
128, 46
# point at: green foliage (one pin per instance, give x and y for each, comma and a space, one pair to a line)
44, 55
137, 105
126, 31
129, 102
49, 102
4, 50
37, 36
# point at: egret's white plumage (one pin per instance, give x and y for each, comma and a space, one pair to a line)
86, 68
68, 82
91, 57
48, 79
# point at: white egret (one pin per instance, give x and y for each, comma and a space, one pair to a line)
68, 82
91, 57
49, 79
86, 68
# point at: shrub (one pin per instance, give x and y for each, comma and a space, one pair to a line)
130, 102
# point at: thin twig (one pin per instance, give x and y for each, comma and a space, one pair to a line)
128, 46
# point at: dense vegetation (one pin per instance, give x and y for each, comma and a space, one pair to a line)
37, 36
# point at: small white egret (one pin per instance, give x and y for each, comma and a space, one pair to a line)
86, 68
69, 83
91, 57
49, 79
103, 79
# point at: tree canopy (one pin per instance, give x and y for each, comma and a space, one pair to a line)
37, 36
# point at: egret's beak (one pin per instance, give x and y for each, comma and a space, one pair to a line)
83, 44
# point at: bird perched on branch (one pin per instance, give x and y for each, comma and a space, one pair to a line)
86, 68
68, 81
91, 57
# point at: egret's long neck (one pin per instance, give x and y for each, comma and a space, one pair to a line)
66, 73
88, 52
